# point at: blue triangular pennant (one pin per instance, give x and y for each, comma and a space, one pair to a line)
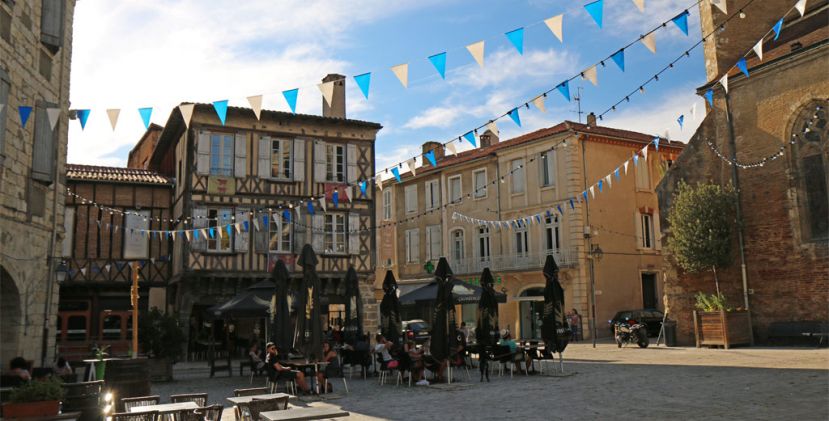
742, 66
245, 226
439, 61
560, 211
538, 218
619, 58
549, 215
83, 116
584, 193
681, 120
709, 96
290, 97
616, 173
681, 21
515, 117
335, 197
310, 207
286, 215
778, 28
636, 158
195, 234
430, 156
572, 205
363, 185
595, 10
655, 145
396, 173
146, 113
516, 37
600, 186
564, 88
212, 232
229, 229
363, 81
25, 111
221, 110
470, 137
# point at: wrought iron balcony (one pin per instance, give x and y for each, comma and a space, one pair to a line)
507, 262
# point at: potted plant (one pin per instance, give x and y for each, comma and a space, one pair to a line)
34, 399
161, 338
701, 220
100, 366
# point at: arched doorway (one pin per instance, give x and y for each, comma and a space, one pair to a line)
531, 307
10, 315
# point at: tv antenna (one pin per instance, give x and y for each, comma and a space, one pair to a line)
577, 98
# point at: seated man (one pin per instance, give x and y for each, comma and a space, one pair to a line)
518, 355
278, 371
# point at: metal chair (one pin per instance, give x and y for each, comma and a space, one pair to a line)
84, 397
337, 374
130, 403
135, 416
384, 371
206, 413
199, 398
251, 410
250, 391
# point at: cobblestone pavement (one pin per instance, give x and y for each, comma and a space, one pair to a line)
601, 383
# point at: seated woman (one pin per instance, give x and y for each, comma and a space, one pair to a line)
18, 367
256, 357
278, 371
333, 367
416, 363
383, 348
62, 367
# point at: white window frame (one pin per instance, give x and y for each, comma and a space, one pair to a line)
334, 241
547, 169
224, 157
412, 246
455, 196
432, 194
286, 162
410, 197
335, 163
455, 241
521, 236
552, 232
223, 217
484, 244
647, 238
479, 191
517, 179
136, 243
434, 243
278, 226
387, 204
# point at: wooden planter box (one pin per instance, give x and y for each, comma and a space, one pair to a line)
722, 328
31, 409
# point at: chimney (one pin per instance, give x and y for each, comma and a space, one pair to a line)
337, 107
488, 138
437, 147
591, 120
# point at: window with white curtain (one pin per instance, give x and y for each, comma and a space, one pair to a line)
434, 248
455, 189
547, 164
412, 246
479, 183
411, 198
517, 176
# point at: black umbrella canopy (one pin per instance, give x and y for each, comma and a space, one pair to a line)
486, 330
462, 293
554, 329
390, 323
353, 328
281, 314
309, 320
252, 302
443, 319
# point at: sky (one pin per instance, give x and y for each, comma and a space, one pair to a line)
134, 53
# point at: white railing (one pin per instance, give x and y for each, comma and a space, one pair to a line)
564, 258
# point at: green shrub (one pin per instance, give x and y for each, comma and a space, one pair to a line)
160, 335
37, 391
711, 302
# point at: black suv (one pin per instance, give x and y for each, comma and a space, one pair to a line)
650, 317
416, 330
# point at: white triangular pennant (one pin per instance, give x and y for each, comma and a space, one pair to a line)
379, 181
477, 51
694, 111
402, 73
724, 82
452, 148
298, 214
186, 113
539, 103
322, 204
83, 271
173, 234
238, 227
626, 166
591, 75
608, 180
107, 267
113, 114
187, 234
592, 192
555, 25
204, 232
327, 89
645, 152
758, 49
721, 5
349, 192
255, 102
801, 7
256, 223
650, 42
491, 126
640, 4
54, 115
411, 164
221, 231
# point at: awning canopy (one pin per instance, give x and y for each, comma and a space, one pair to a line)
253, 302
464, 293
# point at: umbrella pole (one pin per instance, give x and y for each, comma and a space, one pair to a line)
561, 361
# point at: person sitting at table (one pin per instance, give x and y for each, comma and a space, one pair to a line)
18, 367
518, 354
62, 367
256, 357
431, 363
277, 371
383, 348
332, 369
416, 363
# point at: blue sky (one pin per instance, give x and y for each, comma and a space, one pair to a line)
134, 54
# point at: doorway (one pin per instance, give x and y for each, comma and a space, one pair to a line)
531, 308
649, 290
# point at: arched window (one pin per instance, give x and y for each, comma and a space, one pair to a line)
810, 152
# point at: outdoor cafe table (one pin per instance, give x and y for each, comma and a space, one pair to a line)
165, 407
295, 413
302, 365
236, 400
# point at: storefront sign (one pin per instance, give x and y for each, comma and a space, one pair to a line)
221, 185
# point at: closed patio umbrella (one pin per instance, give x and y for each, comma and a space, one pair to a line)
281, 314
554, 329
486, 330
309, 318
353, 324
443, 319
390, 323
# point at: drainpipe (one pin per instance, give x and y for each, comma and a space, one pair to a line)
735, 177
589, 251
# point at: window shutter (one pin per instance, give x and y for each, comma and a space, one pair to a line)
429, 243
351, 163
51, 23
657, 233
264, 157
415, 246
260, 237
43, 153
5, 86
299, 235
319, 162
354, 233
240, 153
298, 170
199, 222
637, 218
241, 239
318, 224
203, 153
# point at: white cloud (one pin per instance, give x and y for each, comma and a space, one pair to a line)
661, 115
441, 117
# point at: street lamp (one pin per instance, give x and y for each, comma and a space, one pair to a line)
61, 271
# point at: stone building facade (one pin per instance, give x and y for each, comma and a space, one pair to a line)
533, 173
785, 222
35, 55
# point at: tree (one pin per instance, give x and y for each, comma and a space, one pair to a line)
701, 219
